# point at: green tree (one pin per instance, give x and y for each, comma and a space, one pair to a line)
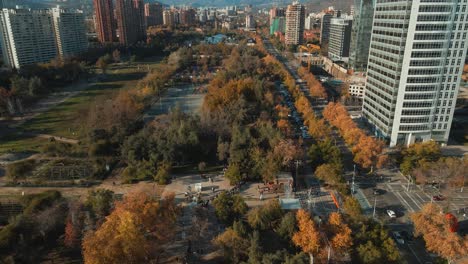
330, 174
163, 174
229, 207
255, 250
266, 216
287, 227
100, 201
233, 174
369, 253
352, 208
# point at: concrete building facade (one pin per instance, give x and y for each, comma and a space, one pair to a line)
295, 19
27, 37
131, 21
340, 38
417, 53
70, 31
153, 14
104, 20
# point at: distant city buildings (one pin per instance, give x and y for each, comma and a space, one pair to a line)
416, 59
340, 37
295, 19
361, 34
70, 31
187, 16
168, 18
104, 20
277, 20
153, 14
249, 21
130, 21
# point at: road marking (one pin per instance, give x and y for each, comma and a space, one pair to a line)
422, 199
404, 202
414, 201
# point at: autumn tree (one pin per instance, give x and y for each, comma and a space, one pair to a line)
329, 173
339, 233
100, 201
308, 236
450, 170
135, 232
434, 227
233, 245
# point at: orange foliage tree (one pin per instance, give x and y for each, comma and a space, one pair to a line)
308, 236
316, 89
367, 150
135, 232
434, 228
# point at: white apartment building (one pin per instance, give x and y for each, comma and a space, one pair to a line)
416, 57
70, 31
26, 36
295, 18
357, 90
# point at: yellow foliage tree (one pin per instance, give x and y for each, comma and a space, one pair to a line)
308, 236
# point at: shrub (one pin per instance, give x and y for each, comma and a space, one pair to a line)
20, 169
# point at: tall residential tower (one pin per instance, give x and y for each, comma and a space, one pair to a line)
417, 53
104, 16
27, 36
70, 31
295, 19
130, 21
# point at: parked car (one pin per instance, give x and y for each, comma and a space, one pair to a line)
406, 235
378, 191
391, 213
438, 197
398, 238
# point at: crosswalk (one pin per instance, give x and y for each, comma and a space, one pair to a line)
414, 199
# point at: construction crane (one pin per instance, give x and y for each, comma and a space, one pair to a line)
311, 49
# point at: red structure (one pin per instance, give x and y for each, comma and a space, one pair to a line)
453, 222
104, 13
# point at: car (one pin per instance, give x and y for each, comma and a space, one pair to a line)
438, 197
391, 213
398, 238
378, 191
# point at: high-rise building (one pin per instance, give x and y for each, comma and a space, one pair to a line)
70, 31
168, 18
130, 21
278, 25
276, 12
340, 37
360, 34
309, 22
27, 36
295, 19
416, 57
325, 28
187, 17
249, 21
104, 15
153, 14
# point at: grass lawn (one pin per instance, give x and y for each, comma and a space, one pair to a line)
63, 120
19, 143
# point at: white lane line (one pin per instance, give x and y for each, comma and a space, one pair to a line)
398, 195
420, 198
414, 201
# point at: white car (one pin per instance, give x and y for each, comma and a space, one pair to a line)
391, 213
